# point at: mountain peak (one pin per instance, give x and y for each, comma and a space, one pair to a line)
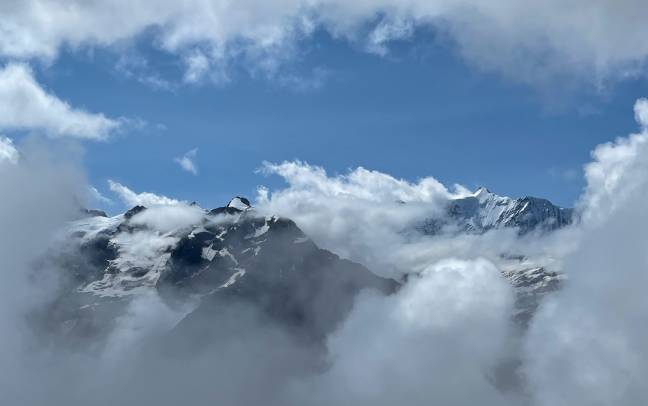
240, 203
133, 211
482, 194
484, 210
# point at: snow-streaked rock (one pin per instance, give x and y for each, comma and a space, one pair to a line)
484, 210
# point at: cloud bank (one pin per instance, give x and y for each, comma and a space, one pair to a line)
589, 345
598, 40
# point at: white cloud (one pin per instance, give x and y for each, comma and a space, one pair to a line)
616, 170
187, 163
146, 199
589, 345
431, 343
197, 66
359, 213
8, 152
26, 105
597, 39
170, 217
359, 183
96, 196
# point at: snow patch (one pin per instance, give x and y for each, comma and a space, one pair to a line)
239, 203
232, 279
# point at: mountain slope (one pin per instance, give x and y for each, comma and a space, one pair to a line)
187, 253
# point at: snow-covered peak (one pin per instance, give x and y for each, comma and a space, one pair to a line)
483, 195
240, 203
482, 192
484, 210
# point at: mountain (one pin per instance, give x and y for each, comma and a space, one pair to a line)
483, 211
185, 253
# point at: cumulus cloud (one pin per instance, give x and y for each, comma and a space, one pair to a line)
146, 199
612, 175
187, 163
598, 40
359, 183
26, 105
437, 340
588, 345
8, 152
359, 213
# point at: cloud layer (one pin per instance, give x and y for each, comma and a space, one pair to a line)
599, 39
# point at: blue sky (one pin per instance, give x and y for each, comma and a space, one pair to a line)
419, 110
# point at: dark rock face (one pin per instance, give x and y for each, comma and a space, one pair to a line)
270, 263
133, 211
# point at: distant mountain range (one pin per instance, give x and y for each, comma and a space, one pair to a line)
483, 211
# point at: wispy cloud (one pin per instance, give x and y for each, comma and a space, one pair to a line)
564, 174
187, 163
136, 67
97, 196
